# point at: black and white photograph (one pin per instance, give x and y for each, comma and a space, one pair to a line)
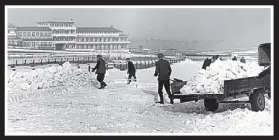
139, 70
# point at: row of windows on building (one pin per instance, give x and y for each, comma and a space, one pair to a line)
97, 47
34, 44
64, 31
34, 34
54, 32
73, 46
88, 39
58, 24
59, 38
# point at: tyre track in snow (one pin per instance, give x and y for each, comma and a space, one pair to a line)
123, 109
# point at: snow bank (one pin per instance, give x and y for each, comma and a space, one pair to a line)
211, 80
65, 75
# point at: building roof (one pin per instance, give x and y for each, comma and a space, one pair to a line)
33, 28
41, 39
11, 25
52, 21
97, 29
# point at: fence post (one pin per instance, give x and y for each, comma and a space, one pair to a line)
33, 67
48, 61
78, 59
33, 61
25, 61
88, 67
67, 59
41, 61
16, 62
145, 64
54, 60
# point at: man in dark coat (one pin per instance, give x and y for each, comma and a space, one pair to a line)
242, 60
216, 57
206, 63
131, 70
234, 58
101, 71
163, 71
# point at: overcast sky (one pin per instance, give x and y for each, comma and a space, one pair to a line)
233, 26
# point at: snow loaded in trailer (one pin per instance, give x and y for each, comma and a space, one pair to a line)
254, 87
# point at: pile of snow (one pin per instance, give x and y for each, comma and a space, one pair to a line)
65, 75
211, 80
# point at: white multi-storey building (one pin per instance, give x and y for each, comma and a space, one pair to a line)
105, 38
13, 39
34, 37
62, 35
63, 32
67, 36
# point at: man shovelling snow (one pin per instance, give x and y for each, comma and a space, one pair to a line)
101, 71
163, 71
130, 70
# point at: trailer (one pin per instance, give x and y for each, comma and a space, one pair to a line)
253, 87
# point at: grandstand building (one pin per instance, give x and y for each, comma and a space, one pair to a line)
64, 35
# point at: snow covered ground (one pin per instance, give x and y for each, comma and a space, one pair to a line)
129, 109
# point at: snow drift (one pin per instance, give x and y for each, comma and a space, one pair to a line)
65, 75
211, 80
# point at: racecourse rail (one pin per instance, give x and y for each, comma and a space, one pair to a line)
112, 62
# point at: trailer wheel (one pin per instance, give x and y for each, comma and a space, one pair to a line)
257, 100
211, 104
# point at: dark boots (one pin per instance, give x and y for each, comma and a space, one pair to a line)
103, 84
171, 98
161, 99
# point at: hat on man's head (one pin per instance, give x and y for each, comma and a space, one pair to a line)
99, 55
160, 55
127, 58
